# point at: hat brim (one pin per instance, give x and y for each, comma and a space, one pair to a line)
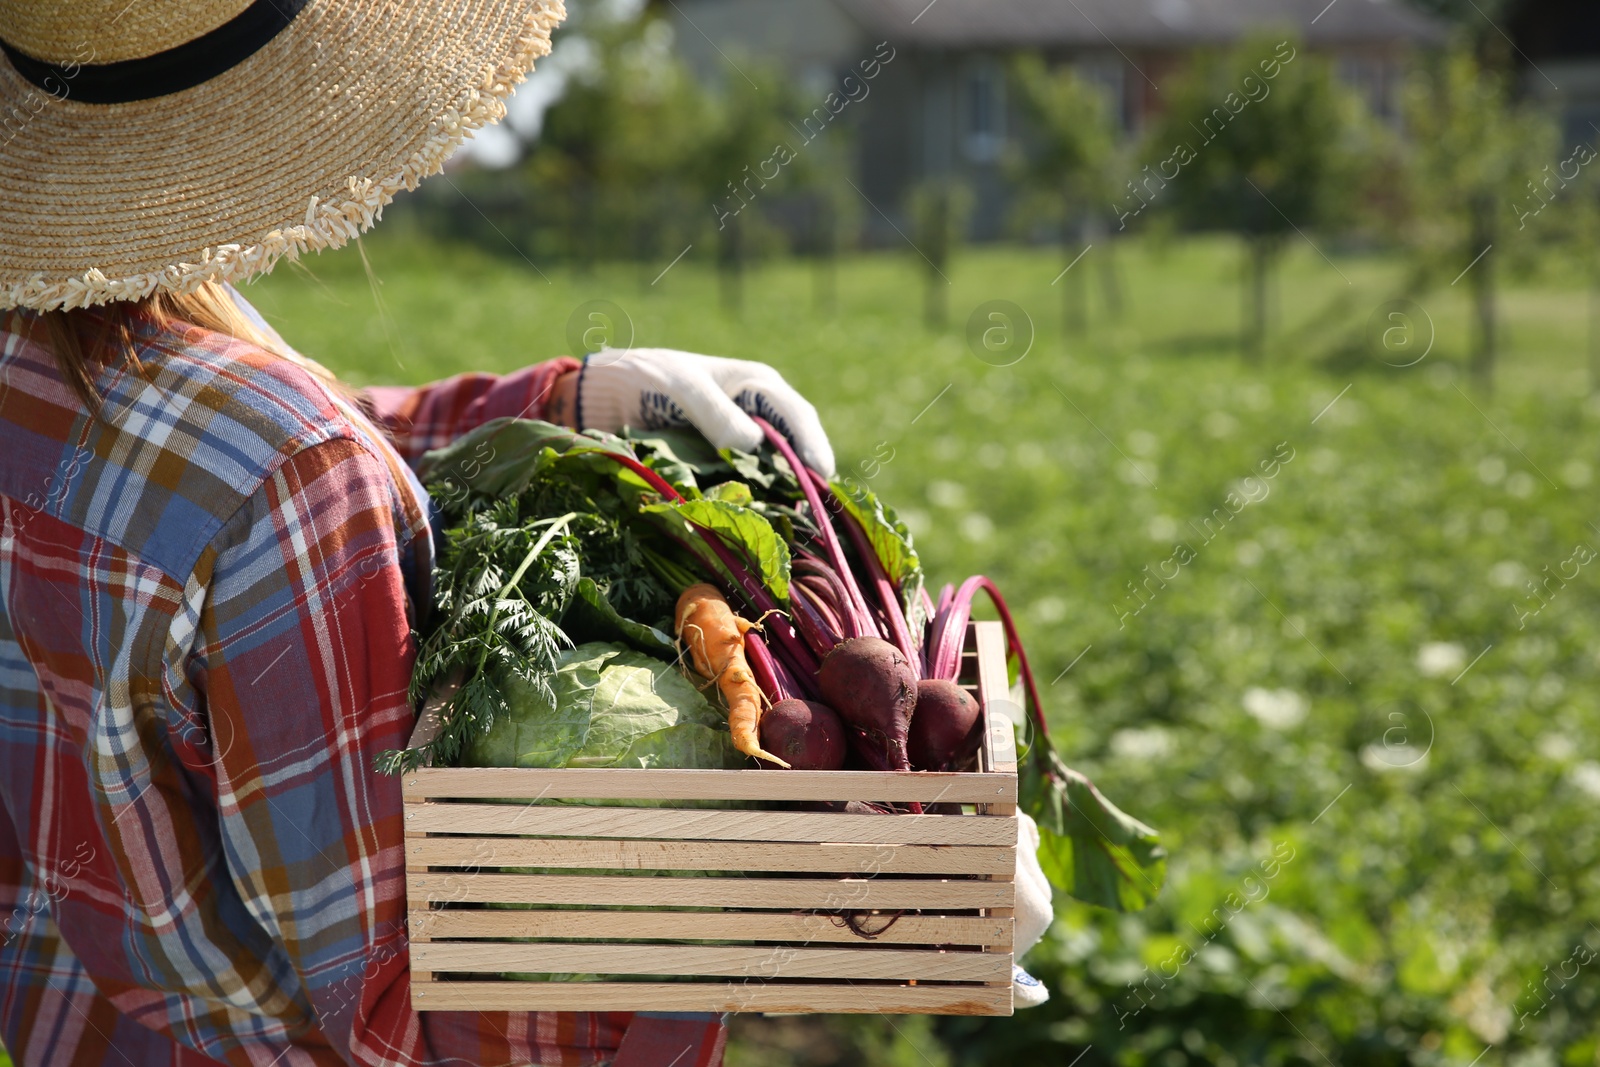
296, 149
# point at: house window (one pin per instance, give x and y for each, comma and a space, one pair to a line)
984, 107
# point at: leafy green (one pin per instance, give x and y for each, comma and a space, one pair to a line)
731, 493
743, 529
683, 457
503, 456
688, 744
590, 617
606, 706
891, 540
499, 583
1089, 847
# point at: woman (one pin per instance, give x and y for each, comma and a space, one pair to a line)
209, 550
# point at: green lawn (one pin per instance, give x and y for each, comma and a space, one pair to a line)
1377, 789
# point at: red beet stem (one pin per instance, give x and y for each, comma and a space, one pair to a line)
771, 675
860, 617
888, 596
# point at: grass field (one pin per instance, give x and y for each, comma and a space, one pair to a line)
1373, 755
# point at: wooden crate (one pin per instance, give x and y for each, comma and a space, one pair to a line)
770, 938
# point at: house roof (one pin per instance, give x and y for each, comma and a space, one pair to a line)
1138, 23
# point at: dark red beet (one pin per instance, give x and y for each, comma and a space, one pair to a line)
873, 687
807, 735
946, 727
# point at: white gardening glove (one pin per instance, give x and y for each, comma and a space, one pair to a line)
656, 388
1033, 913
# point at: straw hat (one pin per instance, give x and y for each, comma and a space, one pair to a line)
158, 144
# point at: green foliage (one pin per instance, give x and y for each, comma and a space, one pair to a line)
1259, 139
1471, 198
1071, 144
743, 529
892, 542
1471, 164
1412, 921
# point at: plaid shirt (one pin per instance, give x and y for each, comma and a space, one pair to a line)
204, 643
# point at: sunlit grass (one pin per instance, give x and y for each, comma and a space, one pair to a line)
1232, 700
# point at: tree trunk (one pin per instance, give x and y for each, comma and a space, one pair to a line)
1486, 343
1594, 332
730, 264
1074, 290
1258, 254
825, 268
1110, 278
585, 237
936, 248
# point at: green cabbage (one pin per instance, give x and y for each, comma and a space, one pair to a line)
613, 707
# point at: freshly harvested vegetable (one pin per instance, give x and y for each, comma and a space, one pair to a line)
715, 638
946, 728
807, 734
607, 706
873, 687
550, 538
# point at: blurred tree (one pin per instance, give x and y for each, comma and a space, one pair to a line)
1472, 159
1065, 165
746, 153
1259, 140
617, 150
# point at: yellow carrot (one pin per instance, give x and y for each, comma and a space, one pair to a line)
715, 638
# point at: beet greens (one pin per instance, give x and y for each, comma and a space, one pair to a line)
550, 535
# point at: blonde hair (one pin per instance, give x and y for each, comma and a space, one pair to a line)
86, 339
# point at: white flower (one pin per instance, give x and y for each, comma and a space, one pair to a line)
1506, 574
1586, 776
1438, 658
1279, 709
1248, 553
975, 526
1557, 747
1031, 454
917, 521
1219, 424
1141, 744
1491, 469
1521, 485
1163, 528
1393, 757
1049, 609
947, 494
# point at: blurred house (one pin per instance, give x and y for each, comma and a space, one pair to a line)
940, 106
1557, 42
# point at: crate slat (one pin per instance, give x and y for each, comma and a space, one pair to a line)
709, 856
615, 783
710, 926
846, 997
765, 963
721, 825
830, 894
994, 686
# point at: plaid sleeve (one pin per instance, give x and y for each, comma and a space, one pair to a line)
431, 416
304, 656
